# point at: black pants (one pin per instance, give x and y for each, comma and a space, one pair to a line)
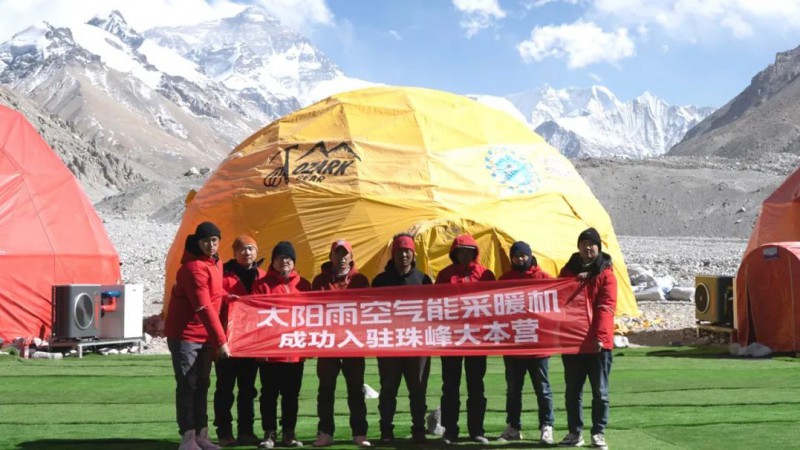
284, 379
415, 370
475, 367
516, 369
328, 371
191, 363
232, 372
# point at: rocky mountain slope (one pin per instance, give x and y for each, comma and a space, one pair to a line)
101, 173
765, 117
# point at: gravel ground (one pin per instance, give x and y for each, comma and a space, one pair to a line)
143, 243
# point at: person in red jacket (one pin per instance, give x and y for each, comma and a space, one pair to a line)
594, 269
194, 331
283, 375
465, 269
525, 266
340, 273
239, 276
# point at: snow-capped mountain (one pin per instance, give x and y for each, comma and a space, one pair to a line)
173, 97
253, 53
593, 122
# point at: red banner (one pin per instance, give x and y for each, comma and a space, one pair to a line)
515, 317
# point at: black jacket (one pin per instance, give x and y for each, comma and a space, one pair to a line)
390, 277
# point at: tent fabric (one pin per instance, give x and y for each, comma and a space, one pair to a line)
367, 164
49, 232
779, 219
768, 297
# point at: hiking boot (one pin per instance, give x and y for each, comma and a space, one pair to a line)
290, 439
269, 440
246, 439
599, 441
510, 434
323, 440
188, 441
226, 440
547, 435
571, 440
203, 442
362, 441
480, 439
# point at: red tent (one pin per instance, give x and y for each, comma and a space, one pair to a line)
779, 220
768, 297
49, 232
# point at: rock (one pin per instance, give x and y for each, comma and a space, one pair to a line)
703, 340
192, 172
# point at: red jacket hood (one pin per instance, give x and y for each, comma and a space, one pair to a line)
464, 240
294, 281
533, 273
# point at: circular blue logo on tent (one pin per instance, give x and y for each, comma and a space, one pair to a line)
510, 168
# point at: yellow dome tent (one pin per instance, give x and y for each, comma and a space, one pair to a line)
367, 164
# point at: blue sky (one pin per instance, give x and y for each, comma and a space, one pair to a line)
699, 52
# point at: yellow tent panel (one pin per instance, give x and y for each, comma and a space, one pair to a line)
367, 164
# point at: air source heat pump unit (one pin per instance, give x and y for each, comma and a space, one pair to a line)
713, 299
121, 309
76, 311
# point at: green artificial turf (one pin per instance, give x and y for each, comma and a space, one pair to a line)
660, 399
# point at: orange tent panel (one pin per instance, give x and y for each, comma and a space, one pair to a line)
768, 297
779, 220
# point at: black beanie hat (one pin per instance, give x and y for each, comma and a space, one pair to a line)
284, 248
524, 248
520, 247
592, 235
206, 230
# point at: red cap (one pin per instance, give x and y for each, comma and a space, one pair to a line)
341, 243
403, 242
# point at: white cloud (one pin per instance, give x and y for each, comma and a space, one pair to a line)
581, 43
539, 3
143, 14
395, 34
478, 14
300, 14
597, 78
690, 20
738, 26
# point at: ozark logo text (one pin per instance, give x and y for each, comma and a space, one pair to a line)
310, 167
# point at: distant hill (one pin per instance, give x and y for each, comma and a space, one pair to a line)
763, 118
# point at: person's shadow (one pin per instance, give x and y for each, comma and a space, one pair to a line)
98, 444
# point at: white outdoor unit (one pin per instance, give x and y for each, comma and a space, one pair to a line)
122, 310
